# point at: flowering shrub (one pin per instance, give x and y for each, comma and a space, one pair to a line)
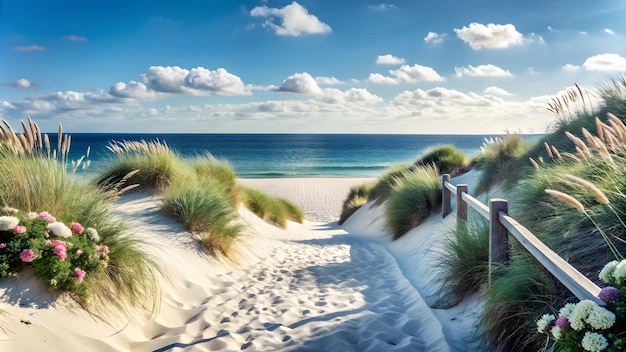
60, 256
586, 326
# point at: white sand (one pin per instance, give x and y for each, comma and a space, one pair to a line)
312, 287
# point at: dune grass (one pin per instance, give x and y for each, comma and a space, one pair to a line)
275, 210
157, 165
447, 158
464, 268
34, 181
412, 199
357, 197
497, 162
203, 208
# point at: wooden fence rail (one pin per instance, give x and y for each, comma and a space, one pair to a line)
501, 224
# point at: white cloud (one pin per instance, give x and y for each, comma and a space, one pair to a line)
382, 7
301, 83
75, 38
20, 83
132, 90
380, 79
168, 79
605, 62
407, 74
482, 71
609, 31
570, 67
389, 59
197, 81
353, 95
219, 82
490, 36
295, 20
435, 38
534, 38
30, 48
328, 81
493, 90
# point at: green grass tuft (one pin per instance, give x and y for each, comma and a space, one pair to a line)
497, 161
412, 199
448, 159
357, 197
204, 209
464, 268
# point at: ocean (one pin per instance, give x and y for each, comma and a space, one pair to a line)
286, 155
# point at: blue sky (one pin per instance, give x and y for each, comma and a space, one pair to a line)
313, 66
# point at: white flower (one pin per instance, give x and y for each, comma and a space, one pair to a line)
620, 271
93, 234
580, 314
33, 215
594, 342
556, 332
606, 274
544, 322
59, 229
600, 318
567, 310
8, 223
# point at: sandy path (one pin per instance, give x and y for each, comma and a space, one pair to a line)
317, 288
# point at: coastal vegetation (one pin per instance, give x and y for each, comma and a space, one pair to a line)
571, 198
201, 193
64, 229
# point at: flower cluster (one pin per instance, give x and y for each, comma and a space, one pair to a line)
62, 256
586, 326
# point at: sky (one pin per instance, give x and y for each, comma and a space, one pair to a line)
306, 66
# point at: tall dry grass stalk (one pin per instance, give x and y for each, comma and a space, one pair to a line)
567, 199
600, 196
31, 141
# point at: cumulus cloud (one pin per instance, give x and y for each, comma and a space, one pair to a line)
570, 67
294, 20
132, 90
328, 81
435, 38
197, 81
493, 90
301, 83
482, 71
389, 59
491, 36
22, 83
30, 48
605, 62
407, 74
353, 95
75, 38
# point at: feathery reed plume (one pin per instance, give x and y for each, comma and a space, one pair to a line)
556, 152
567, 199
548, 150
581, 153
618, 126
535, 165
540, 160
578, 142
570, 156
599, 128
59, 139
600, 196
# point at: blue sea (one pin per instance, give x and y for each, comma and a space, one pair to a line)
287, 155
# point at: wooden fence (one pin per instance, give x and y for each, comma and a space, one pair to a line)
501, 224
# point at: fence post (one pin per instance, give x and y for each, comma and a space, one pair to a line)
445, 195
461, 206
498, 234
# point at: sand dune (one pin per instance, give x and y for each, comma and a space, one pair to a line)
312, 287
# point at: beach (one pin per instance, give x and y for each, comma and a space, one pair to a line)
310, 287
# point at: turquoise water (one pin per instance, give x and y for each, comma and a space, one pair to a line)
288, 155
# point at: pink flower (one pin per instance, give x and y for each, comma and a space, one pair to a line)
27, 255
78, 252
102, 251
46, 216
76, 227
80, 275
19, 229
3, 245
61, 251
